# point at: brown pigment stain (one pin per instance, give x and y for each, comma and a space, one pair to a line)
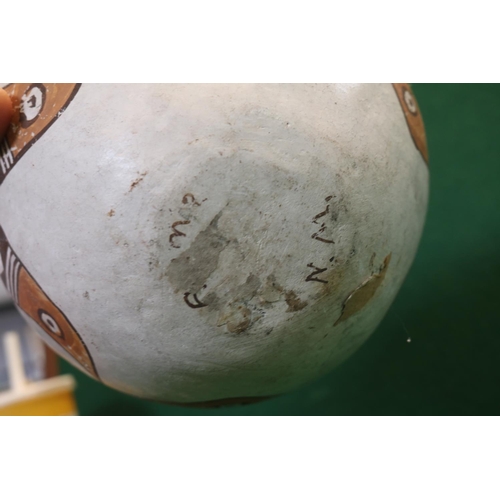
273, 292
240, 320
111, 213
294, 302
363, 294
137, 181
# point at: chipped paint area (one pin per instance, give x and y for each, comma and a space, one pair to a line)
236, 320
221, 271
220, 291
358, 299
294, 302
194, 266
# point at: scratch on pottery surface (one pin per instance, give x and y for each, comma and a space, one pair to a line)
362, 295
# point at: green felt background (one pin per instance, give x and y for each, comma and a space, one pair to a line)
449, 304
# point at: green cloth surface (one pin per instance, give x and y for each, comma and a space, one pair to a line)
449, 304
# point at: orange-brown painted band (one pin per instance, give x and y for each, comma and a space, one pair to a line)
413, 117
31, 299
36, 107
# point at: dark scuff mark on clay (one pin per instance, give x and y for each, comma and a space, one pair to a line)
194, 266
294, 303
362, 295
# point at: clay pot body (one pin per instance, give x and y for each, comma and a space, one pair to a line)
191, 243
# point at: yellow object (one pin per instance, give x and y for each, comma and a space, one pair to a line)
53, 396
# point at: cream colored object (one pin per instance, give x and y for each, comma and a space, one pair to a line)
191, 243
53, 396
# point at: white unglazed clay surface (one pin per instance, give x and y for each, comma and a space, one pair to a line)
91, 209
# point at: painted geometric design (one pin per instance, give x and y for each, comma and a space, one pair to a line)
36, 107
31, 299
413, 117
